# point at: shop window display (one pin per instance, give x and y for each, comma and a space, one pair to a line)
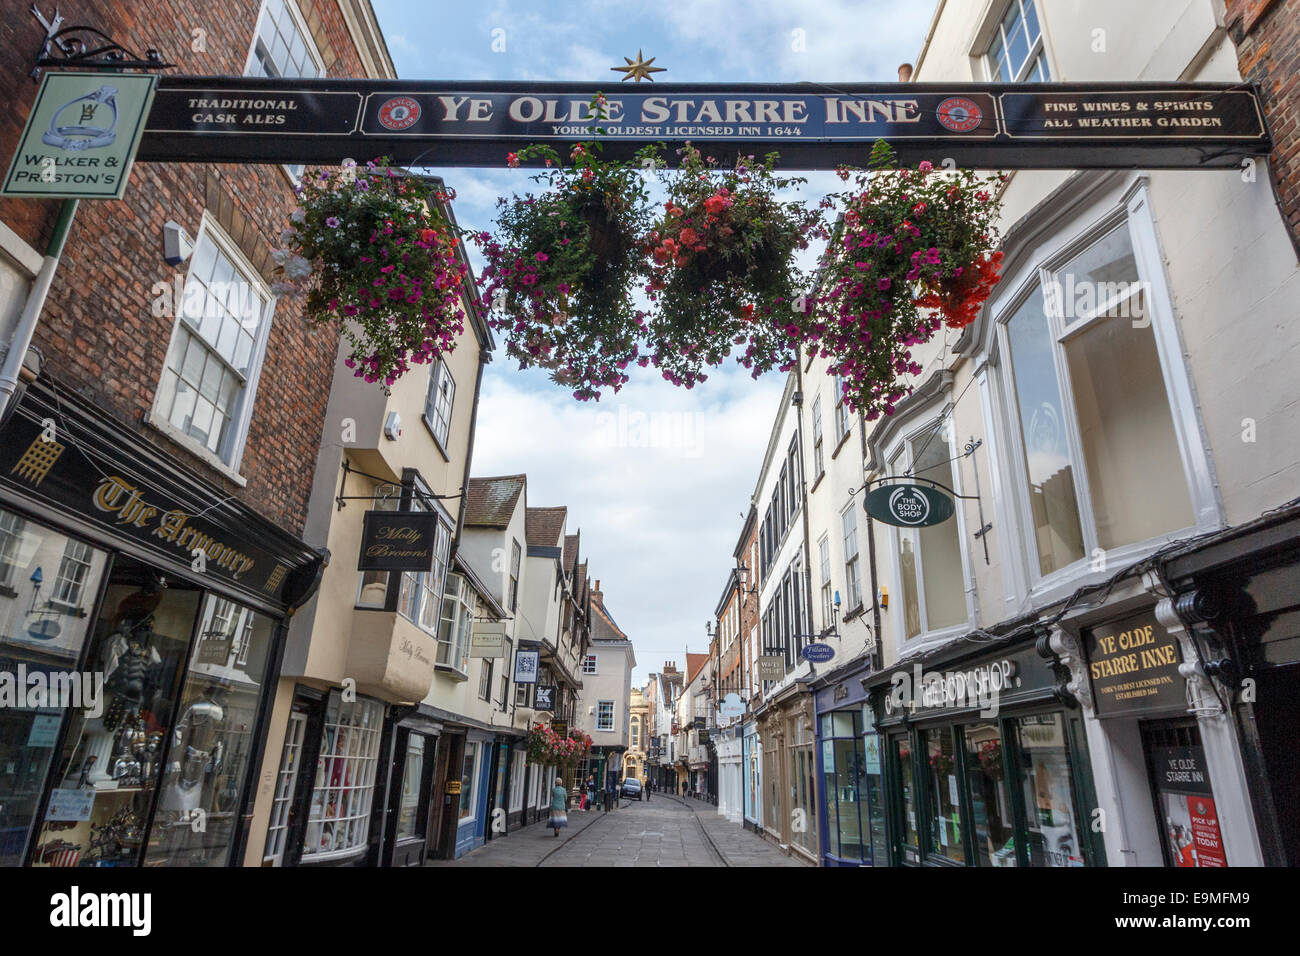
1048, 792
855, 822
911, 843
994, 826
946, 835
112, 763
38, 635
339, 817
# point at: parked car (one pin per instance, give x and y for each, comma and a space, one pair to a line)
631, 788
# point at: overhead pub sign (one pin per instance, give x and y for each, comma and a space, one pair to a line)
398, 541
811, 125
1133, 666
81, 136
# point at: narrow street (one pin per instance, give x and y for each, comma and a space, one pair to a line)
667, 831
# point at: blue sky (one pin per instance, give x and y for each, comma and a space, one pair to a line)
657, 477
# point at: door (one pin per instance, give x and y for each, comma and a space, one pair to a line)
410, 810
445, 813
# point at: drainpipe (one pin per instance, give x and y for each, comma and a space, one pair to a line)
26, 329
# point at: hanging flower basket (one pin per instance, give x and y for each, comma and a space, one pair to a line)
547, 748
377, 257
562, 266
722, 269
916, 248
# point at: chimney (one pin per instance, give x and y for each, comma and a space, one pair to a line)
905, 73
596, 595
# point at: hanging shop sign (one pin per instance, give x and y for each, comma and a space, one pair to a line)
488, 643
398, 541
1133, 667
817, 653
771, 667
62, 456
526, 666
1186, 799
545, 697
81, 136
561, 727
812, 126
731, 706
908, 506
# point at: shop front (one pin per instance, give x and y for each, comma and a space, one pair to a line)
787, 739
1238, 597
143, 618
730, 745
851, 795
751, 758
983, 763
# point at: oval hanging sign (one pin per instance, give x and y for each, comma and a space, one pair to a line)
818, 653
909, 506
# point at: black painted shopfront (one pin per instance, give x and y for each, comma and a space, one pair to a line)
985, 763
151, 607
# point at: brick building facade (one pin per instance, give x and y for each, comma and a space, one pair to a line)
1267, 35
155, 467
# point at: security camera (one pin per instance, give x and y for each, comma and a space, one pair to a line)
177, 244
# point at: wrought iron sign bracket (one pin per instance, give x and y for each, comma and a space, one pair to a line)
87, 48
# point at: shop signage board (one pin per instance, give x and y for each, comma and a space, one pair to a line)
771, 667
981, 685
1190, 818
908, 506
398, 541
81, 136
812, 126
122, 486
1133, 667
488, 643
545, 697
817, 653
526, 666
561, 727
453, 787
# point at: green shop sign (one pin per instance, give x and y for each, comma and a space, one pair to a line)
909, 506
81, 136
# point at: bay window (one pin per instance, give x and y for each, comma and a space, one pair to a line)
1089, 399
459, 604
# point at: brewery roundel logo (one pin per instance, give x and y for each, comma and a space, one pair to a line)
399, 113
959, 114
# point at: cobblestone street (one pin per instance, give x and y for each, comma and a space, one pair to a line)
666, 831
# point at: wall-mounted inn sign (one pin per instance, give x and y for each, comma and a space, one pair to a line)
398, 541
812, 125
1133, 666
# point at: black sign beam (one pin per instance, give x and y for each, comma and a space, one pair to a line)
812, 125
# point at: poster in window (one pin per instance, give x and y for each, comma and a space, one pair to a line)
1190, 819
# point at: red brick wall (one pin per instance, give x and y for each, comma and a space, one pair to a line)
1267, 34
98, 334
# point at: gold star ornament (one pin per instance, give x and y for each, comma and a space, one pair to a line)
638, 71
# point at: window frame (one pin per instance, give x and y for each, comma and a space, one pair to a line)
854, 578
899, 456
211, 230
1132, 206
293, 171
819, 467
1037, 48
516, 558
589, 659
440, 430
613, 712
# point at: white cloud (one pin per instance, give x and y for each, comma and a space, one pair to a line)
657, 478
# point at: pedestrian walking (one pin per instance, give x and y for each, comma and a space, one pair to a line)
559, 804
591, 790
